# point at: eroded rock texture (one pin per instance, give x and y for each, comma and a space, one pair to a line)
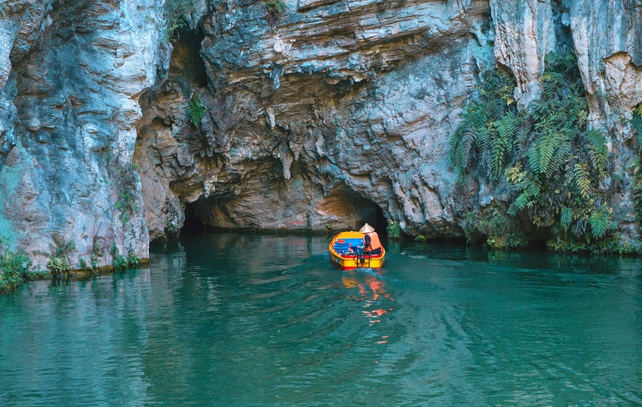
607, 36
337, 107
77, 71
524, 35
324, 116
608, 42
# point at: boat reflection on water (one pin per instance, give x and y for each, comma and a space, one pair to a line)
372, 290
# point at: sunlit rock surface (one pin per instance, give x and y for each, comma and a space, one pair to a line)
524, 35
77, 69
327, 115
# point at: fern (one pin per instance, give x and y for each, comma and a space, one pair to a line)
505, 128
547, 147
600, 223
636, 120
196, 110
533, 159
467, 141
550, 159
566, 217
520, 203
497, 158
597, 149
582, 180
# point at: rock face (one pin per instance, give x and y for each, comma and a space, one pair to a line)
326, 115
337, 107
608, 43
77, 71
524, 35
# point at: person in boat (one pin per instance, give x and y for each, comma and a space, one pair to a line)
371, 242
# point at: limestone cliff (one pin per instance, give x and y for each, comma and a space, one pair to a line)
319, 116
73, 72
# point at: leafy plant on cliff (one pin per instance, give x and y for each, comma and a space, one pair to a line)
196, 110
176, 14
83, 265
59, 258
274, 9
96, 252
493, 224
58, 266
15, 268
127, 187
123, 263
275, 6
636, 124
547, 154
478, 136
393, 229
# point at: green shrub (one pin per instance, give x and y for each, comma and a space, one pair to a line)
274, 10
176, 14
122, 263
96, 253
196, 110
82, 264
393, 229
91, 266
58, 266
275, 7
498, 230
15, 268
61, 247
127, 187
59, 258
547, 154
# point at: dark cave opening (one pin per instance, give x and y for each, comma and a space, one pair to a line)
199, 216
381, 223
192, 223
186, 61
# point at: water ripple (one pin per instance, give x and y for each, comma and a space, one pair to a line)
244, 320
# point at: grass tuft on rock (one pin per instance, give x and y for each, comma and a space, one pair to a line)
15, 268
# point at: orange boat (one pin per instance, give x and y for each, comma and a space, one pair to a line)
346, 252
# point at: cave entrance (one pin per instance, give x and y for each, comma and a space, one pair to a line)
341, 210
381, 223
186, 62
345, 209
192, 223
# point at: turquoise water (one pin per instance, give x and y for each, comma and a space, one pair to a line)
246, 320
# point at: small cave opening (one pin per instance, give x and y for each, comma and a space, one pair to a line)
350, 211
192, 223
381, 223
186, 61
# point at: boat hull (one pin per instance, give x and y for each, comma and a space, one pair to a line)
349, 261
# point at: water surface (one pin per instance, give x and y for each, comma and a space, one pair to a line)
247, 320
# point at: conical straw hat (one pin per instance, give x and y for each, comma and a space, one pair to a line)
366, 229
